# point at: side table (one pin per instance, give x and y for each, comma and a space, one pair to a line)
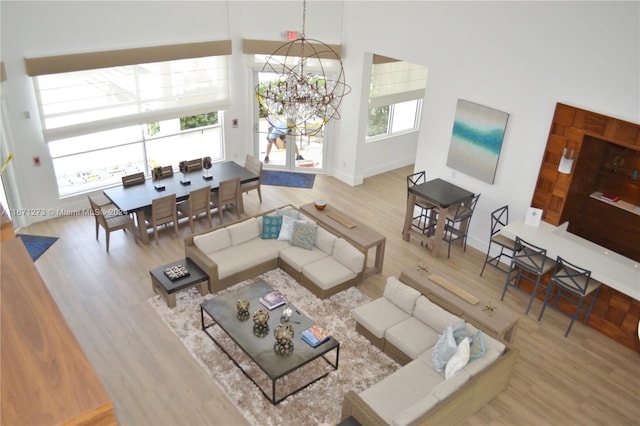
168, 288
497, 321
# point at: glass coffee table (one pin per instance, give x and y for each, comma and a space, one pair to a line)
221, 311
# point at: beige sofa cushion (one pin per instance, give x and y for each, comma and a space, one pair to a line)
378, 315
413, 413
325, 240
399, 391
244, 231
348, 255
434, 315
411, 336
297, 257
327, 272
401, 294
239, 257
213, 241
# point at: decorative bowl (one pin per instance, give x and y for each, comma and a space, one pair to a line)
320, 204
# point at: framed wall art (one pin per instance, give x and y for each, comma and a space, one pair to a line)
476, 140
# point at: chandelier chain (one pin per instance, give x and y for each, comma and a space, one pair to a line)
304, 17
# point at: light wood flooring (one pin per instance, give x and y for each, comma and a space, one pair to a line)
586, 379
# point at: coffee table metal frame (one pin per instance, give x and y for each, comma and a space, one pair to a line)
221, 311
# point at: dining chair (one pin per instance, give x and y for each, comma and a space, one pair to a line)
199, 202
162, 172
424, 214
499, 219
133, 179
163, 211
228, 193
254, 166
457, 226
194, 165
531, 262
111, 221
573, 284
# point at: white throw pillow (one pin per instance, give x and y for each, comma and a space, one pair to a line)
459, 359
286, 230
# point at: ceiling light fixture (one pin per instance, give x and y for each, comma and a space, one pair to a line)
303, 95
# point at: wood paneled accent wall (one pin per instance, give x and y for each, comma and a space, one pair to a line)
596, 140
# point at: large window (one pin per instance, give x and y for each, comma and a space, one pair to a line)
395, 97
106, 114
84, 163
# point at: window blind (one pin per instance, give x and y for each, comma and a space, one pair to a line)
393, 82
77, 102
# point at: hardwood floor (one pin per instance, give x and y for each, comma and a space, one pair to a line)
584, 379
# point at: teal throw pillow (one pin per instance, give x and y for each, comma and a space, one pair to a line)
477, 348
294, 214
304, 235
271, 227
460, 332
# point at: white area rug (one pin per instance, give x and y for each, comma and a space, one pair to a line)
360, 365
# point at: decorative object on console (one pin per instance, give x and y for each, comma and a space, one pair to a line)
284, 336
206, 164
320, 204
184, 169
476, 140
618, 163
304, 97
610, 197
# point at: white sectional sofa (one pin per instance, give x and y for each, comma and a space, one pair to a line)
237, 251
410, 328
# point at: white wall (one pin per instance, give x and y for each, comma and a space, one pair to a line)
518, 57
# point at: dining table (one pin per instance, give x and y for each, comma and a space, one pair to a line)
444, 196
138, 198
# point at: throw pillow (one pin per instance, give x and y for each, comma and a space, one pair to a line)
477, 348
304, 235
271, 227
458, 360
286, 230
295, 214
460, 331
444, 349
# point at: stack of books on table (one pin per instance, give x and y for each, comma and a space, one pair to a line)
610, 197
315, 335
272, 300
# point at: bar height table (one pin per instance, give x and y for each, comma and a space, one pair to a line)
444, 196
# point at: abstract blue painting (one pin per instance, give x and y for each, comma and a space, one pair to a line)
476, 140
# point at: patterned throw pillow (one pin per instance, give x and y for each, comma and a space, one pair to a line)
304, 235
294, 214
477, 348
271, 227
286, 230
444, 349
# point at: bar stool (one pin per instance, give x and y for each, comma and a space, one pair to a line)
575, 281
528, 259
423, 216
499, 218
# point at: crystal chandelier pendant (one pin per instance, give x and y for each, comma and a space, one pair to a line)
304, 100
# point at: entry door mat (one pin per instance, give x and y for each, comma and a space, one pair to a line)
360, 366
36, 245
292, 179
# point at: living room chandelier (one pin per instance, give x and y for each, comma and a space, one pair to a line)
303, 96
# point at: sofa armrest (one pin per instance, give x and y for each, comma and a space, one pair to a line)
354, 406
203, 261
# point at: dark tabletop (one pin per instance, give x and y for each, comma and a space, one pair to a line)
138, 197
196, 275
441, 193
224, 312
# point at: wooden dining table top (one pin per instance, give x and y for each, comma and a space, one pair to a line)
138, 197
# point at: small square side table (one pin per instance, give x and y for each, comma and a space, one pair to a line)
168, 288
